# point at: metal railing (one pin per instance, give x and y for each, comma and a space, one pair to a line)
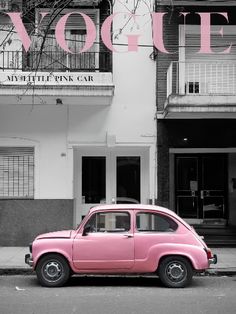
53, 61
202, 78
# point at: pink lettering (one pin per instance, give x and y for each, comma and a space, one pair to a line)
20, 29
106, 35
132, 40
205, 31
60, 32
157, 20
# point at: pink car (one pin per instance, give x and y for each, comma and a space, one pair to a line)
122, 239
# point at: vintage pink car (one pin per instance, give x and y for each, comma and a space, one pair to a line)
122, 239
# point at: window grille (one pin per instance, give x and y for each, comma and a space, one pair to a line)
16, 172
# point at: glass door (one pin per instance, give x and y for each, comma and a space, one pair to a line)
201, 186
213, 193
109, 176
187, 189
93, 179
128, 170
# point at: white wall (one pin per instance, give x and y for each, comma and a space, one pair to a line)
131, 114
130, 118
45, 128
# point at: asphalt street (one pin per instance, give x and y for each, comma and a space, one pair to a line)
113, 295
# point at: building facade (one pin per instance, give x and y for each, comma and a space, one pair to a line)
76, 129
196, 117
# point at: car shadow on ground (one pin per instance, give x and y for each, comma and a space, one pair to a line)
122, 281
115, 281
106, 281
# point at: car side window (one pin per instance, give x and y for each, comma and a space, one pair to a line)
155, 222
109, 222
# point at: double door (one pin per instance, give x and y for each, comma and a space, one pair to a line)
110, 176
201, 186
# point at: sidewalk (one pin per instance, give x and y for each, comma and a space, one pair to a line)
12, 261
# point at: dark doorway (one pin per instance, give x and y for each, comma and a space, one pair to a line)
201, 186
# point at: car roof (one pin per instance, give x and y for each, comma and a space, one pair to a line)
131, 207
159, 209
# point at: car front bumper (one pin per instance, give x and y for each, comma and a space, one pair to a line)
29, 260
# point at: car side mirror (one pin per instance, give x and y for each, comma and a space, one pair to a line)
86, 230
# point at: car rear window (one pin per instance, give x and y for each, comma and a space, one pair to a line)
155, 222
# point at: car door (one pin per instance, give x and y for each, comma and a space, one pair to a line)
108, 245
152, 229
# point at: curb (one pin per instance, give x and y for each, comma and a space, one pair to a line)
220, 272
16, 271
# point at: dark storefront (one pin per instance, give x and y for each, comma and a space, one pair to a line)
197, 169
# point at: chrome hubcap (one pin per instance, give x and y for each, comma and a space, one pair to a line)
52, 271
175, 271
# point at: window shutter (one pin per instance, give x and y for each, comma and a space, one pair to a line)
218, 44
75, 21
16, 172
213, 73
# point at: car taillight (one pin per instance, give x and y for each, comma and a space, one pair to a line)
209, 253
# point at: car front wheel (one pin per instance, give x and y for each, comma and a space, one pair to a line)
175, 272
52, 270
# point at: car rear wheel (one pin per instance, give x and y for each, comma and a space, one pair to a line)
53, 270
175, 272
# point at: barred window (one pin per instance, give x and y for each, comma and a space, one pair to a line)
16, 172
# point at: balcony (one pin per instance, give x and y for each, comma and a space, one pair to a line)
52, 61
203, 89
77, 78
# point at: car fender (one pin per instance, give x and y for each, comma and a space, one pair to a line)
52, 246
195, 254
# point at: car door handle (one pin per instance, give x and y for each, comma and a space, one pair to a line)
128, 236
202, 194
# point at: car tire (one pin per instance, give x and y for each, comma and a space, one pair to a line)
53, 270
175, 272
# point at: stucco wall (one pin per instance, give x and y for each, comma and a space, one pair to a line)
43, 127
54, 129
22, 220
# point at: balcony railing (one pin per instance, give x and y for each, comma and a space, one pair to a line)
50, 61
202, 78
